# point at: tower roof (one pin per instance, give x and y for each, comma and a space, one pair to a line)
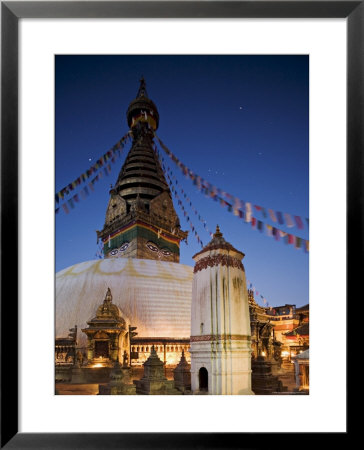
218, 242
141, 174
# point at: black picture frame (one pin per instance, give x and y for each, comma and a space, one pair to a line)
11, 12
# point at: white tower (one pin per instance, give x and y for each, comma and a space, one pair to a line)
220, 324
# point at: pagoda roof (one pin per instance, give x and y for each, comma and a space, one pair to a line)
303, 308
218, 242
302, 330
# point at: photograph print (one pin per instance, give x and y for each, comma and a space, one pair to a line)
182, 224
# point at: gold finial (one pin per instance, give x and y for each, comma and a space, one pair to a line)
108, 297
142, 92
217, 232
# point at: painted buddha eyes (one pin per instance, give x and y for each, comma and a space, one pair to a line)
124, 246
154, 248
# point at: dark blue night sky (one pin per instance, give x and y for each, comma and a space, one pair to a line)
240, 122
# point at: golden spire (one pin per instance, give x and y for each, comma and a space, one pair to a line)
108, 297
218, 232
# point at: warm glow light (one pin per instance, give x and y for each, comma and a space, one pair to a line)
263, 353
98, 365
173, 359
284, 353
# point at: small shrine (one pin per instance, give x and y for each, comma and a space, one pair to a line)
153, 381
120, 381
263, 381
182, 374
107, 335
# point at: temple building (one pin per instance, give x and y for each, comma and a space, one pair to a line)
107, 334
298, 340
290, 327
262, 335
65, 348
283, 319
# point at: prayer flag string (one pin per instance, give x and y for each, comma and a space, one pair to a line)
183, 193
185, 213
101, 162
203, 185
86, 190
172, 178
236, 207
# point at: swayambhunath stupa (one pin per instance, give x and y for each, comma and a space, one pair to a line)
138, 322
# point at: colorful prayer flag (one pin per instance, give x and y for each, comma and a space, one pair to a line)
248, 212
299, 222
298, 242
307, 246
275, 233
280, 218
272, 215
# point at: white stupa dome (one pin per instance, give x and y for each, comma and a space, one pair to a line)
155, 296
